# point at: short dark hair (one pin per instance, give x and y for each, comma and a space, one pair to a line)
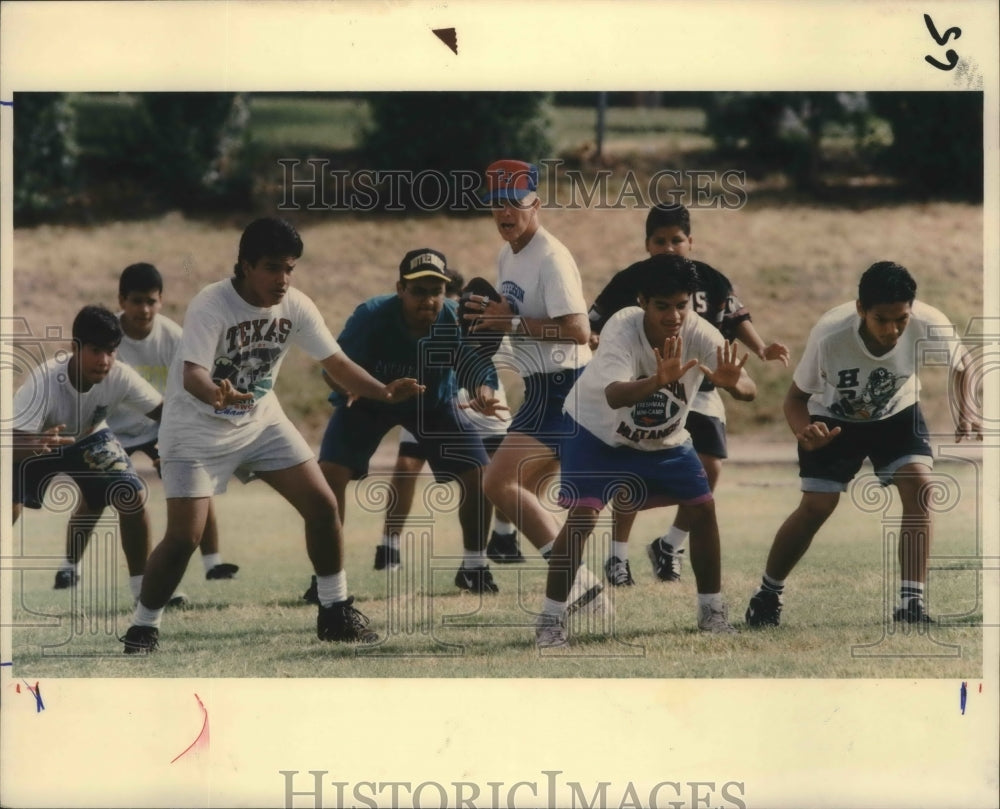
666, 274
886, 282
269, 236
97, 326
456, 284
663, 215
140, 277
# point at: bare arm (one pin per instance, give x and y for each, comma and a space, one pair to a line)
348, 377
198, 382
810, 435
730, 375
498, 316
969, 419
747, 334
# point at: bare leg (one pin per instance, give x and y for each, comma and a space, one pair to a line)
475, 511
706, 557
567, 553
166, 564
915, 528
210, 538
713, 469
404, 485
306, 489
797, 532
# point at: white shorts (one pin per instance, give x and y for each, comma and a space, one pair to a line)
278, 446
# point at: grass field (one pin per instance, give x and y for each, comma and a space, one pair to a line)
258, 626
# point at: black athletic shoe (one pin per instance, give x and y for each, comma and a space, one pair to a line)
140, 640
344, 622
477, 580
178, 601
504, 549
764, 609
912, 613
386, 557
223, 570
618, 573
666, 561
311, 595
65, 579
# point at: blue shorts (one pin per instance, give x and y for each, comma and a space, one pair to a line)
98, 465
354, 433
541, 413
889, 443
593, 474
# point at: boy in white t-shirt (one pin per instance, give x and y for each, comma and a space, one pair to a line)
628, 408
855, 394
544, 314
149, 342
60, 427
221, 415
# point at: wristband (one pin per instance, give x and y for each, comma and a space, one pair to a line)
515, 324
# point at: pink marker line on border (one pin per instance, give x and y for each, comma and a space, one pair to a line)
203, 736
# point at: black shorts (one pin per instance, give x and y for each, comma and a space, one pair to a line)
97, 464
708, 434
889, 443
354, 433
413, 449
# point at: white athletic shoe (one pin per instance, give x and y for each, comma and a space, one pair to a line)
550, 632
587, 595
715, 621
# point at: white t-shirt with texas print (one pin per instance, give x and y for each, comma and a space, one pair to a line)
850, 383
624, 355
242, 343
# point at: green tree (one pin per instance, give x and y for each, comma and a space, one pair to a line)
45, 154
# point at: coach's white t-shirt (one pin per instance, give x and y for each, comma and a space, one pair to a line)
48, 398
848, 382
245, 344
624, 355
151, 357
542, 280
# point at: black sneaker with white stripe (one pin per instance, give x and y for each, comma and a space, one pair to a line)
666, 561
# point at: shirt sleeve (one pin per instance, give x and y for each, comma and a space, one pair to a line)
137, 393
312, 333
29, 414
561, 286
808, 376
203, 328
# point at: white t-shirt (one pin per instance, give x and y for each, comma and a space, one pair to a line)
624, 355
850, 383
542, 280
48, 398
151, 357
245, 344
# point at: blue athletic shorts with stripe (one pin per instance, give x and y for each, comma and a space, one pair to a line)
541, 413
593, 474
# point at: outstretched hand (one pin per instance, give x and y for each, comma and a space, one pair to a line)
969, 430
486, 403
669, 367
226, 394
728, 368
776, 351
44, 442
816, 435
399, 390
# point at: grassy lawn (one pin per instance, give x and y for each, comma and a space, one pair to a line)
834, 623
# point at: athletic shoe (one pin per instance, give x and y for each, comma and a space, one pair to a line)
141, 640
311, 595
587, 594
912, 613
386, 557
476, 580
178, 601
550, 631
223, 570
344, 622
504, 549
714, 620
764, 610
65, 578
618, 573
666, 561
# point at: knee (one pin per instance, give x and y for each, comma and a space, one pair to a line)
816, 509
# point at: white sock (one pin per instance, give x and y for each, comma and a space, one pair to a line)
546, 550
332, 589
143, 616
675, 538
620, 549
391, 540
714, 600
909, 590
503, 527
210, 560
135, 586
68, 565
473, 559
550, 607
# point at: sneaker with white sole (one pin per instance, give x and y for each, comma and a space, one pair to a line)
714, 620
618, 573
476, 580
550, 631
666, 561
